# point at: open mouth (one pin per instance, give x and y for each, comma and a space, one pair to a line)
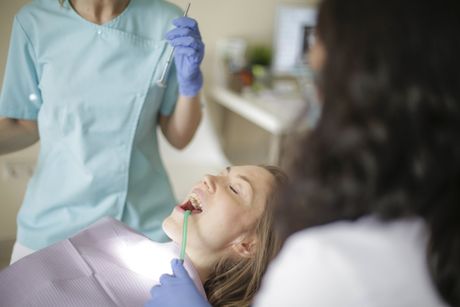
193, 205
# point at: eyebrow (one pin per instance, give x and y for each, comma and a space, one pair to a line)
229, 169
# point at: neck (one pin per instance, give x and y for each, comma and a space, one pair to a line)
99, 11
203, 262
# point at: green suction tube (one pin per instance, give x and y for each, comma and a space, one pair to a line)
184, 235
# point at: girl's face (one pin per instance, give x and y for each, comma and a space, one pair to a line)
231, 204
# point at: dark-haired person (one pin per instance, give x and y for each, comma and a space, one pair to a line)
375, 188
81, 77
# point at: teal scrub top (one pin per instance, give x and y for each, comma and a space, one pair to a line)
92, 90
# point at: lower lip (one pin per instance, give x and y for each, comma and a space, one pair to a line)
179, 208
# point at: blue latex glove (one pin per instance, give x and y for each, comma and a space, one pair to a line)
189, 53
176, 290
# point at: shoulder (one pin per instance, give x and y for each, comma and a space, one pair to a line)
153, 17
160, 8
360, 260
169, 8
38, 8
363, 231
364, 243
37, 14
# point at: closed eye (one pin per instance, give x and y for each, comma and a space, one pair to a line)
233, 190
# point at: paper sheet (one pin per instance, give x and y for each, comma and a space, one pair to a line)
108, 264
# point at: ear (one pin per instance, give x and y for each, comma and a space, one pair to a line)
246, 246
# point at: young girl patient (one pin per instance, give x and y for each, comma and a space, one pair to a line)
230, 242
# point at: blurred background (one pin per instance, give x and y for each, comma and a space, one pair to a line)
256, 82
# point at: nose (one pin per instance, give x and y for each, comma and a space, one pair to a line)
210, 183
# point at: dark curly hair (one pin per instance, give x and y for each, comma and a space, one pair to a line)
388, 142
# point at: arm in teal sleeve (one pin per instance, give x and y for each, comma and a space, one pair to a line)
20, 97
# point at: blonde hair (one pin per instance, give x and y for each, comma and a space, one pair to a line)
235, 282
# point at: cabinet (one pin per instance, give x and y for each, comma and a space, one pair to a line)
276, 115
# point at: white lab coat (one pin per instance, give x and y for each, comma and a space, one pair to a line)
366, 263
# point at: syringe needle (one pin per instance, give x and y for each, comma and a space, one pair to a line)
162, 81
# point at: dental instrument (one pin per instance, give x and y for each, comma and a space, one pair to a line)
162, 81
187, 213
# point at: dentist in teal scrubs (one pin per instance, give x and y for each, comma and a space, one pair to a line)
81, 78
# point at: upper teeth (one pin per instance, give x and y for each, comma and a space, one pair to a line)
195, 200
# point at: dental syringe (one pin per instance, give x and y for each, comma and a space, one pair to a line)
162, 81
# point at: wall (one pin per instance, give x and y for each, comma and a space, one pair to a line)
253, 20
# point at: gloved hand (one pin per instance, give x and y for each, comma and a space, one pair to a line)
189, 53
176, 290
